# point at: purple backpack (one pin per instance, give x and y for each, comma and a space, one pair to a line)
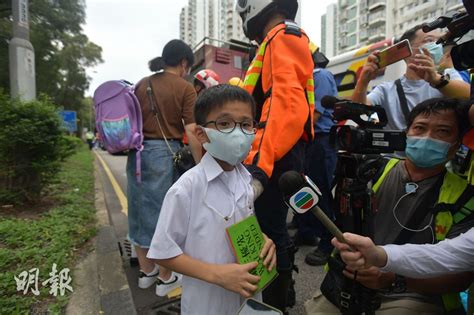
118, 118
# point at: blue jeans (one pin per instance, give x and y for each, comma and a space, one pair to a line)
145, 198
320, 164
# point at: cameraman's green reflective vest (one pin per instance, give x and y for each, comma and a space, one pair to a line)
452, 188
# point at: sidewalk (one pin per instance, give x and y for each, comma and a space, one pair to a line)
100, 284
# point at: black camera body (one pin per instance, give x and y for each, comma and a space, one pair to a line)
368, 137
458, 25
370, 141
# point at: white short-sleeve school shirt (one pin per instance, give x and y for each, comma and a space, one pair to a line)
192, 221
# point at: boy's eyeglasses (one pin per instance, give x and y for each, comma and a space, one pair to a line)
227, 125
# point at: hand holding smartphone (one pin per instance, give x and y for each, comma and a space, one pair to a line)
392, 54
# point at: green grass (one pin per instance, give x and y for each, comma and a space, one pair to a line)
53, 237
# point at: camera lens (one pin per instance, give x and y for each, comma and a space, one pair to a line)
463, 56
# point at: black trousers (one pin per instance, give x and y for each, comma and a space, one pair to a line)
272, 212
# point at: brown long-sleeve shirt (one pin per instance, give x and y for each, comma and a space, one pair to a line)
175, 98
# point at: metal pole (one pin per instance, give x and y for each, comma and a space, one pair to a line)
21, 54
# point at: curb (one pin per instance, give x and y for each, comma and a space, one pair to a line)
102, 287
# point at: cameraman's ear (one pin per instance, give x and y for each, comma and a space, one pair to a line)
200, 134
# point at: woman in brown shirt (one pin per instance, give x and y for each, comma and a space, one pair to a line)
174, 99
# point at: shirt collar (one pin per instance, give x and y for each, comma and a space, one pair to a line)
212, 169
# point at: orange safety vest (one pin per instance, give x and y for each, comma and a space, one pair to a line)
284, 68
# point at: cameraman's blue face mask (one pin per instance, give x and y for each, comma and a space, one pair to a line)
427, 152
435, 50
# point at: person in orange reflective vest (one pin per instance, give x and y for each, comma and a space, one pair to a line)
281, 80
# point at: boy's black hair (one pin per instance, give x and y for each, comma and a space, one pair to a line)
436, 105
411, 33
216, 97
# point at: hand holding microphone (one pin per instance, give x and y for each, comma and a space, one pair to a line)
302, 195
360, 252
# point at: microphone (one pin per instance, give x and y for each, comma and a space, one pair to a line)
329, 101
440, 22
347, 109
302, 195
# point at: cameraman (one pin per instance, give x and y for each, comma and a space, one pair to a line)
419, 202
420, 82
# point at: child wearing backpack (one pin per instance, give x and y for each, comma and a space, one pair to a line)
190, 237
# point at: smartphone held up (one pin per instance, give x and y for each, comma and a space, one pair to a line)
395, 53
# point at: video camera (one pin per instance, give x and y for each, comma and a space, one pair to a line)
458, 25
369, 137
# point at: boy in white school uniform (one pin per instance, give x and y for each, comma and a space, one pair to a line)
190, 237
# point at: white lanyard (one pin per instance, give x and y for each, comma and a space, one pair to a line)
234, 202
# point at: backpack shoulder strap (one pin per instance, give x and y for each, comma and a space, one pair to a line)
403, 99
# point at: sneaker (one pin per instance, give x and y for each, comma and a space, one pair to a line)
146, 280
165, 287
316, 258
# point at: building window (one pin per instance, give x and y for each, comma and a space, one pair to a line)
238, 62
352, 26
352, 40
352, 13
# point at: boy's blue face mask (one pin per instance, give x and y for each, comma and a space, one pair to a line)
435, 50
232, 147
427, 152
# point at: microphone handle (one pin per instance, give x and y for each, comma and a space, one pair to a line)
328, 224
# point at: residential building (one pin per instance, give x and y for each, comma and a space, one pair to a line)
329, 31
362, 22
216, 19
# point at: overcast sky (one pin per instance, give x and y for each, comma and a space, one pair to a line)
133, 32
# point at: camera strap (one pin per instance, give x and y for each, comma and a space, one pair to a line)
403, 99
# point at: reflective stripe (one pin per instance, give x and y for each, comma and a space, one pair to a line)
256, 64
453, 187
251, 79
391, 163
310, 96
263, 47
310, 91
443, 223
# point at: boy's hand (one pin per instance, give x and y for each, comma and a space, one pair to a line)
237, 278
268, 253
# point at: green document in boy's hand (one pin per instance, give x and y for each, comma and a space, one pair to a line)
247, 242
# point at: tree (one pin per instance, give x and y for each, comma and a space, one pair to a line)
62, 51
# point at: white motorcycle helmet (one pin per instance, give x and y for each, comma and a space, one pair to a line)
254, 13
